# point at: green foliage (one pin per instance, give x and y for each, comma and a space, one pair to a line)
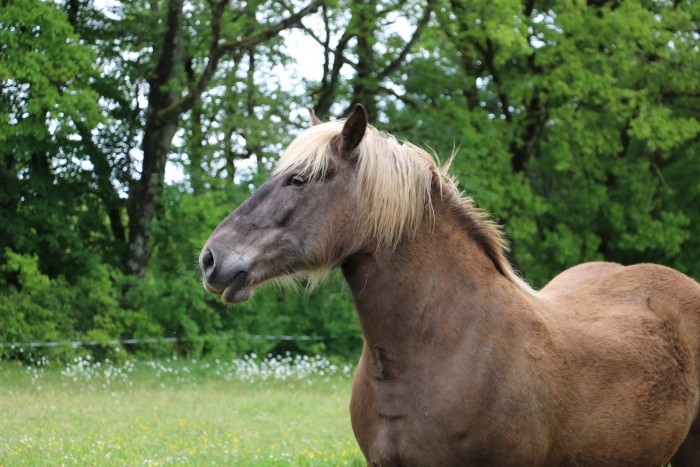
44, 73
574, 126
37, 308
326, 312
21, 316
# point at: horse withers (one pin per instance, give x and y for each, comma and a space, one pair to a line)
463, 363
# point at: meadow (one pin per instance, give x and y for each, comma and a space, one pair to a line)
272, 411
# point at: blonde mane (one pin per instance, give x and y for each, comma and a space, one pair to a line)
395, 183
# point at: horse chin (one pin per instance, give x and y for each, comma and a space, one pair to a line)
236, 294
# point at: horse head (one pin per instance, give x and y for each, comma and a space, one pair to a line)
303, 219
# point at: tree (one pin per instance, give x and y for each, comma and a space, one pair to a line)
576, 121
47, 200
576, 124
167, 102
85, 168
371, 48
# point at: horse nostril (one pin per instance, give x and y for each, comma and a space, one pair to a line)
206, 261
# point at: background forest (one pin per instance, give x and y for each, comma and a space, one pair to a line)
128, 130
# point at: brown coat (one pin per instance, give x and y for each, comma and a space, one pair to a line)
463, 363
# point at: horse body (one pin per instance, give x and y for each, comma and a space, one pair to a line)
464, 364
520, 378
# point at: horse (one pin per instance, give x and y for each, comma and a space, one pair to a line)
463, 363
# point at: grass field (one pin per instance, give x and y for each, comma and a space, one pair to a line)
275, 411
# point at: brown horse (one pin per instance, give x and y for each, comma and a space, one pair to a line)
463, 363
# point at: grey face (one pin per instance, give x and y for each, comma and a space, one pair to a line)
287, 225
291, 223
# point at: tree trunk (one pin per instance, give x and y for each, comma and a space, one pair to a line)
364, 84
196, 143
160, 129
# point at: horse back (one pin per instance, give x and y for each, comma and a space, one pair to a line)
603, 288
630, 302
580, 274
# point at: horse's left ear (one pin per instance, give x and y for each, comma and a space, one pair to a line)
354, 129
314, 118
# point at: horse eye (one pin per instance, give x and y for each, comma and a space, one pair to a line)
296, 180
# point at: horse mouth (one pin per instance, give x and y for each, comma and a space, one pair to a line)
239, 290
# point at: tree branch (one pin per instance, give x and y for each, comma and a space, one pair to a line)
402, 97
397, 6
261, 36
237, 47
396, 63
329, 87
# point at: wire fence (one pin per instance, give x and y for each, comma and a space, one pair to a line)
158, 340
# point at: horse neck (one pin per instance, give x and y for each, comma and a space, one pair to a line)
432, 289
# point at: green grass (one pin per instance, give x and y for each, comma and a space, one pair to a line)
162, 413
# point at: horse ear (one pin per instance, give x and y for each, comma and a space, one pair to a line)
314, 118
354, 129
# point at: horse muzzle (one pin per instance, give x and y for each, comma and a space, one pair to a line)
229, 279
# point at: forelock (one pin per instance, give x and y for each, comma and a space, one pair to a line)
310, 152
